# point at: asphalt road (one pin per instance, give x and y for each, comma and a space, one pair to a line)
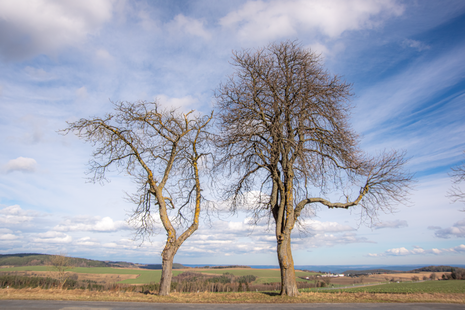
96, 305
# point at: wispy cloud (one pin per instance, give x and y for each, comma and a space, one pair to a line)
420, 46
391, 224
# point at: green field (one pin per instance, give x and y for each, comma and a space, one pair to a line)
95, 270
263, 275
145, 276
446, 287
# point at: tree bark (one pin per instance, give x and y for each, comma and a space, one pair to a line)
286, 264
167, 270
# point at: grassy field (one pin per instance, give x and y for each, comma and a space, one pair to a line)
148, 276
429, 287
249, 297
145, 276
263, 275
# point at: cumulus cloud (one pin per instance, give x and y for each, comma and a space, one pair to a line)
8, 237
96, 224
22, 164
391, 224
14, 215
192, 26
238, 238
259, 20
44, 26
53, 237
88, 241
419, 251
457, 230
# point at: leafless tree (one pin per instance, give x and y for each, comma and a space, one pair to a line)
163, 151
60, 264
457, 194
284, 130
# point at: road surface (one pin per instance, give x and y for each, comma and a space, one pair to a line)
98, 305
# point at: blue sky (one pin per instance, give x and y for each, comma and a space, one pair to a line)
64, 60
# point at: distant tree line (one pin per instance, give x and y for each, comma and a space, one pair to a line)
434, 269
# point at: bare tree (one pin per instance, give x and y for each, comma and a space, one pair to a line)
162, 150
284, 130
60, 264
458, 176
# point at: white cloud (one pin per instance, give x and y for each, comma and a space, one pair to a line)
87, 241
237, 238
265, 21
105, 224
391, 224
28, 28
14, 215
175, 103
184, 24
38, 74
419, 251
8, 237
103, 54
53, 237
81, 93
319, 48
457, 230
317, 226
22, 164
110, 245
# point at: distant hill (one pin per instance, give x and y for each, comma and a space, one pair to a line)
36, 259
434, 269
370, 271
158, 266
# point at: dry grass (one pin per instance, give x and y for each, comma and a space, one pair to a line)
313, 297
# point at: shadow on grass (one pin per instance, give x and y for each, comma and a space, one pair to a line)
271, 293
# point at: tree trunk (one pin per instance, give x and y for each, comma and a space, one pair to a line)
286, 264
166, 270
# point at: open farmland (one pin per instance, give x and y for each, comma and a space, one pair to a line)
263, 275
428, 287
98, 274
144, 276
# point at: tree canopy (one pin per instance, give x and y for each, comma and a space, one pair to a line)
285, 130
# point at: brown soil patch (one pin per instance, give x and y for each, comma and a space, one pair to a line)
250, 297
